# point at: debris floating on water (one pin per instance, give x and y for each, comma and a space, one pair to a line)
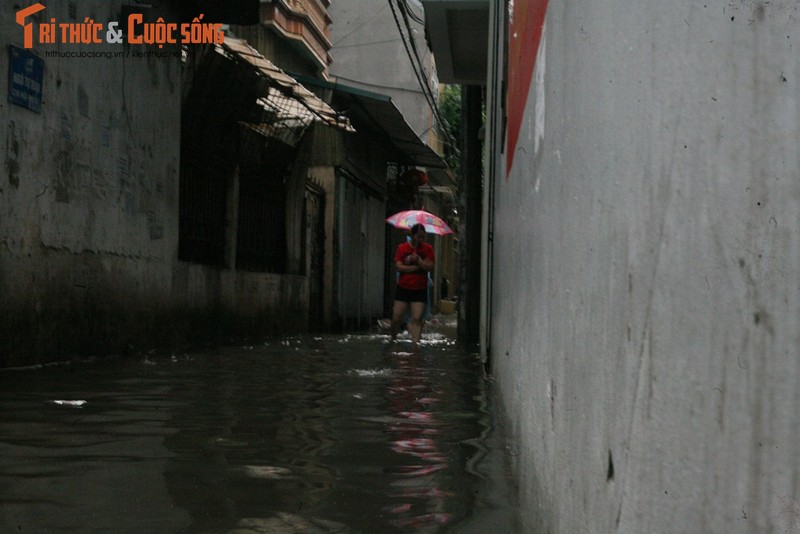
74, 403
371, 372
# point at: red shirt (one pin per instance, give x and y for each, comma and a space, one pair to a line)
416, 280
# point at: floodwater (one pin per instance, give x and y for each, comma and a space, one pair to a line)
347, 433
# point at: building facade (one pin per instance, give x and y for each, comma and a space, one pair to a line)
149, 194
347, 176
379, 48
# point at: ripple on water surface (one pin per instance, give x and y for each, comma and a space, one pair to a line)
302, 434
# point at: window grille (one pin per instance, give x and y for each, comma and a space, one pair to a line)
261, 239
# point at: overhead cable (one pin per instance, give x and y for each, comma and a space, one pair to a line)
419, 70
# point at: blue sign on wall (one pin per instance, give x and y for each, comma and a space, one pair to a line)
25, 79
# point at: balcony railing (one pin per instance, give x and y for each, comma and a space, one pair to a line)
315, 10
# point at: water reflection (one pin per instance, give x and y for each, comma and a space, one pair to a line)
416, 433
307, 434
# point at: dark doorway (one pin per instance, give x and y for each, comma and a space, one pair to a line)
315, 245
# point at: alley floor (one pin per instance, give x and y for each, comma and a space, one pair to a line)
326, 433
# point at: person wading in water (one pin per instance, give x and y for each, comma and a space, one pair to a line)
413, 260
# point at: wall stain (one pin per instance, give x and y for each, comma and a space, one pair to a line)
12, 155
760, 10
64, 165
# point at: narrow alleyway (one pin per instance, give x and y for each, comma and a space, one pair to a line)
345, 433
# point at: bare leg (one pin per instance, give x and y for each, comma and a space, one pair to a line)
398, 311
415, 325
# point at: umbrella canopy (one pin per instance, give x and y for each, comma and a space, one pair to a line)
407, 219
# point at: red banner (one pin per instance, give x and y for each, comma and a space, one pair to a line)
524, 35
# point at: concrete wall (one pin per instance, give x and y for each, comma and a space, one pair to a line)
646, 303
89, 211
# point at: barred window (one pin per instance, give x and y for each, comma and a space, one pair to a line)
261, 230
261, 239
201, 224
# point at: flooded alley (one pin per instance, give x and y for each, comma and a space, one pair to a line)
329, 433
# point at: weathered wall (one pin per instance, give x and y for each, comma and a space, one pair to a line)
222, 301
89, 211
88, 196
646, 300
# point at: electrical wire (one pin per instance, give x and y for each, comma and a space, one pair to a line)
416, 18
419, 70
403, 6
414, 66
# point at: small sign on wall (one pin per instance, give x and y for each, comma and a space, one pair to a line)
25, 78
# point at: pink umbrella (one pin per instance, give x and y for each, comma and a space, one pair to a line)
406, 219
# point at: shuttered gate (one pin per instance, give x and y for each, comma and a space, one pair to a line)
360, 241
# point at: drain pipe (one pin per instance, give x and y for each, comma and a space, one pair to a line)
493, 164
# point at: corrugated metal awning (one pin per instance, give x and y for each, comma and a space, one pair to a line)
384, 116
388, 118
288, 107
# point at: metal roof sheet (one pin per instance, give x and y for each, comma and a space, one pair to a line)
289, 103
385, 117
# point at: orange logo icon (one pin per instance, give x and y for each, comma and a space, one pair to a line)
28, 28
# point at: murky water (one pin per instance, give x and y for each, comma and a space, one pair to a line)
311, 434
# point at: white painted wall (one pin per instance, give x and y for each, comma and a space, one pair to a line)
646, 283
